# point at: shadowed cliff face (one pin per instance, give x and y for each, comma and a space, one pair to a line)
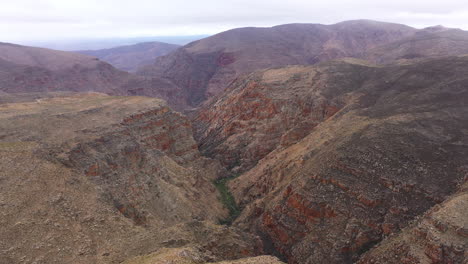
393, 147
123, 175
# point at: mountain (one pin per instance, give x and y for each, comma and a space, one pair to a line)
335, 157
91, 178
204, 68
28, 69
130, 58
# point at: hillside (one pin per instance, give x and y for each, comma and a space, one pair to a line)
130, 58
204, 68
339, 155
44, 58
90, 178
28, 69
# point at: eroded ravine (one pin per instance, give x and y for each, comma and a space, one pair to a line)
123, 174
361, 173
227, 199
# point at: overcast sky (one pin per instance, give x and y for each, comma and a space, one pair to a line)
32, 20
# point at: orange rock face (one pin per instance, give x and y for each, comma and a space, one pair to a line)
258, 114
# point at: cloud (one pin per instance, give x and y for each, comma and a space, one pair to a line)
22, 20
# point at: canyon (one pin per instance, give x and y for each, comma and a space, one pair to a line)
300, 143
92, 178
391, 148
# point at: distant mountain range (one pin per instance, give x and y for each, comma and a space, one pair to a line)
202, 69
131, 58
28, 69
106, 43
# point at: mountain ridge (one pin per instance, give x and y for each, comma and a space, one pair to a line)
229, 54
202, 69
131, 57
30, 69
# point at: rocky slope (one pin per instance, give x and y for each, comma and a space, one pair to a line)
367, 150
130, 58
27, 69
440, 236
205, 67
90, 178
272, 108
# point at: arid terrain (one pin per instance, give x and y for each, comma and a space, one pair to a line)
392, 146
299, 144
90, 178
